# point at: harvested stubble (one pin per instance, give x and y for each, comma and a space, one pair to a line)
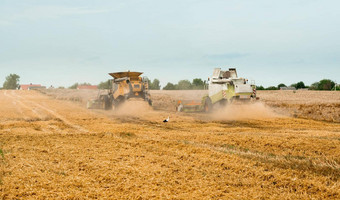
77, 154
318, 105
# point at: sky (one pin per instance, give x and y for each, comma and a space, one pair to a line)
60, 42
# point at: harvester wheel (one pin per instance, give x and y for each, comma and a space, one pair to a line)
150, 102
107, 103
118, 102
208, 105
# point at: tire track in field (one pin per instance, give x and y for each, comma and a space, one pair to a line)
40, 116
22, 105
55, 114
18, 108
16, 101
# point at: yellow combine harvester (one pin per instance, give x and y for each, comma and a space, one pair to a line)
125, 85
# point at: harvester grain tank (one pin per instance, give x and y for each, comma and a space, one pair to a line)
125, 86
224, 87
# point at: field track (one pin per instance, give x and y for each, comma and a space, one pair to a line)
55, 149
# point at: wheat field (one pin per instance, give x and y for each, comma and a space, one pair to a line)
57, 149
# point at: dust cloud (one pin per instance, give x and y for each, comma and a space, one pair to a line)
133, 108
141, 111
256, 110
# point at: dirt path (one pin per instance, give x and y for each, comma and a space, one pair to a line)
57, 149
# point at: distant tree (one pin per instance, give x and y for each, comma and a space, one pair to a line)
61, 87
154, 85
11, 82
326, 84
300, 85
104, 85
281, 85
74, 86
293, 85
260, 87
170, 86
149, 83
314, 86
271, 88
184, 85
197, 84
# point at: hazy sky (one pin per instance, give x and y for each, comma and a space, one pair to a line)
60, 42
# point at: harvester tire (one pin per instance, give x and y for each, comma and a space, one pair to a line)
118, 102
150, 102
107, 103
208, 106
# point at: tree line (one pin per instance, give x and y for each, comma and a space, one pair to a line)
12, 82
196, 84
324, 84
199, 84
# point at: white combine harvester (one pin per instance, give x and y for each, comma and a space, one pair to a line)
224, 87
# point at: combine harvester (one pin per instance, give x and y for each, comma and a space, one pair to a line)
224, 88
125, 86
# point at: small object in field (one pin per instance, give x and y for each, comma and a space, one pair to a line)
166, 120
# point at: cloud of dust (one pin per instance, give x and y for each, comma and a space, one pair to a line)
134, 108
256, 110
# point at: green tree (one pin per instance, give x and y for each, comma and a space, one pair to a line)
104, 85
293, 85
314, 86
300, 85
11, 82
74, 86
155, 85
281, 85
197, 84
170, 86
260, 87
271, 88
326, 84
184, 85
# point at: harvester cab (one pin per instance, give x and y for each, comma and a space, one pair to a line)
224, 88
